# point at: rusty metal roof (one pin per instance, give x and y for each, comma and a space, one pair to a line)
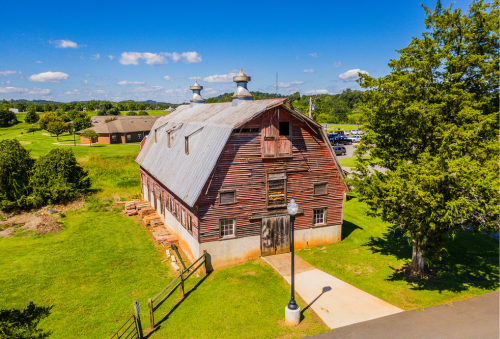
186, 174
208, 127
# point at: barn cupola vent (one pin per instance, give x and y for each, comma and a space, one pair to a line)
241, 94
196, 99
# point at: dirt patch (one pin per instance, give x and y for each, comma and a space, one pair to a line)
25, 142
37, 221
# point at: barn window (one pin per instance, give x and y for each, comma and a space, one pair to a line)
139, 136
276, 190
320, 188
227, 197
113, 137
177, 211
284, 128
183, 218
319, 216
227, 227
189, 223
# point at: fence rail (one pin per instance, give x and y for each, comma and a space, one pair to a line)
151, 302
128, 330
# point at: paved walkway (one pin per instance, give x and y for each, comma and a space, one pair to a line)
469, 319
337, 303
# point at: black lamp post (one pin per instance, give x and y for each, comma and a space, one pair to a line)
292, 208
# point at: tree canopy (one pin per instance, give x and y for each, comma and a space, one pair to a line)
433, 124
7, 118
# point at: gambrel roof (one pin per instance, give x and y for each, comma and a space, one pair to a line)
208, 128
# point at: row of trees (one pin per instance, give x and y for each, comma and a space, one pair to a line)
24, 106
26, 182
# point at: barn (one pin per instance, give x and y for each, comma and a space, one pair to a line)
221, 175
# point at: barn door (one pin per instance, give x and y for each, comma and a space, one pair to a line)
269, 135
275, 235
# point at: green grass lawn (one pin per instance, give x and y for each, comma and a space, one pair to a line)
92, 271
342, 127
371, 250
348, 162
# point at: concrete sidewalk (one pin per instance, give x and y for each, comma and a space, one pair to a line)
469, 319
336, 302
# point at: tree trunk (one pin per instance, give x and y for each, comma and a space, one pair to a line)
417, 261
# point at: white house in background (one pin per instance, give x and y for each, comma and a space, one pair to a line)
15, 110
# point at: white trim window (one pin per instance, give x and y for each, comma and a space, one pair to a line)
319, 217
183, 219
227, 227
139, 136
129, 137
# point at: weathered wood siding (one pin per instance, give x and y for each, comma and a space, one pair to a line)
166, 197
244, 165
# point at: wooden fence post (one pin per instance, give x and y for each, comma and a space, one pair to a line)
138, 324
205, 261
182, 283
151, 315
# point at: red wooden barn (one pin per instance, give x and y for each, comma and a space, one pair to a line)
221, 175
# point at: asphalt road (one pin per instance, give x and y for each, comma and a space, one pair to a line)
468, 319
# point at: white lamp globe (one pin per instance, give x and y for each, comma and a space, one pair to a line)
292, 207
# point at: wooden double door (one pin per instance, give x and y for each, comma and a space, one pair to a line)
275, 235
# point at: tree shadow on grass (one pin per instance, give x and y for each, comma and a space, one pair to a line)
186, 295
472, 262
347, 228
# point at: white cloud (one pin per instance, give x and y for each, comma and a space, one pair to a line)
166, 77
72, 92
220, 78
352, 75
85, 82
314, 55
5, 73
291, 83
147, 89
95, 56
337, 64
191, 57
38, 62
177, 92
8, 82
318, 91
49, 77
132, 58
309, 71
194, 78
124, 82
96, 91
17, 90
87, 75
111, 57
65, 44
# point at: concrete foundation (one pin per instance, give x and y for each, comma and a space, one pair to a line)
292, 317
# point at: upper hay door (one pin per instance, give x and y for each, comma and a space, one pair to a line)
276, 134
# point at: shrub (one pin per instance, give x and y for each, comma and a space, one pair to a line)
131, 113
142, 113
57, 177
113, 111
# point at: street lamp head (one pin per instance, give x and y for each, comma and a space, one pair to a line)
292, 207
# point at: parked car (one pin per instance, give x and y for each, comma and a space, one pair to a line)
338, 140
355, 138
335, 133
339, 150
356, 132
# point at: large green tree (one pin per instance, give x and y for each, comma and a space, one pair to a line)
57, 128
23, 324
15, 169
31, 117
7, 118
433, 124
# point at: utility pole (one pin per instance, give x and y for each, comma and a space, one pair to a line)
310, 107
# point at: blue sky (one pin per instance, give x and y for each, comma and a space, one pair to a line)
66, 51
